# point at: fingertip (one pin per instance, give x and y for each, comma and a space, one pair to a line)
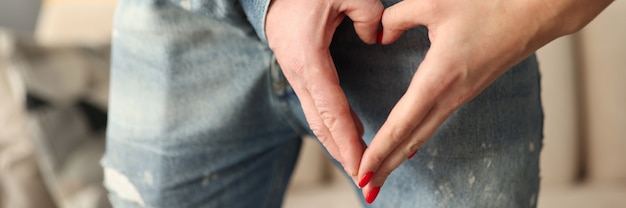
367, 32
389, 35
355, 162
412, 155
400, 17
365, 179
352, 160
366, 18
349, 170
372, 194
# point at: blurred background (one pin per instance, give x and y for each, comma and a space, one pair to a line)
54, 60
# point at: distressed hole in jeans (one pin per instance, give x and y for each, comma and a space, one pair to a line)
121, 186
471, 179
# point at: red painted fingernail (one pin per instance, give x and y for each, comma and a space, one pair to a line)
366, 179
411, 156
379, 38
372, 195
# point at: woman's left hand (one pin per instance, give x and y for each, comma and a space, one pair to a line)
472, 44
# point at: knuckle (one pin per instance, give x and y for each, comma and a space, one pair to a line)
323, 139
399, 132
414, 146
330, 120
343, 148
375, 158
319, 132
374, 14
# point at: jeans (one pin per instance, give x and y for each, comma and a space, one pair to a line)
201, 116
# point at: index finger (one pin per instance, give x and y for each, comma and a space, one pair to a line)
404, 118
320, 84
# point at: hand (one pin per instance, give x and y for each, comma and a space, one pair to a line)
300, 32
472, 44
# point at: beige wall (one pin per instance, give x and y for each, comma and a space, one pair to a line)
584, 98
75, 22
559, 160
603, 62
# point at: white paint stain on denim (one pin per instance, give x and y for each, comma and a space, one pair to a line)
500, 198
471, 179
488, 162
220, 8
446, 194
432, 152
531, 146
186, 4
121, 186
533, 199
488, 188
485, 146
431, 165
147, 176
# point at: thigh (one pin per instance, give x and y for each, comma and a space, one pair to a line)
192, 121
485, 155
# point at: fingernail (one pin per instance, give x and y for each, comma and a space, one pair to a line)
411, 156
379, 38
366, 179
372, 195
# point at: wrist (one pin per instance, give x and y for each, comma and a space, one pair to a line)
565, 17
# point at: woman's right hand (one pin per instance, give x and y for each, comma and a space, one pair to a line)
300, 32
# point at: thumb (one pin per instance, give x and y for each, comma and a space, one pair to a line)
403, 16
366, 17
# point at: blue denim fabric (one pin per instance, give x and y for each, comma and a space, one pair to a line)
200, 115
